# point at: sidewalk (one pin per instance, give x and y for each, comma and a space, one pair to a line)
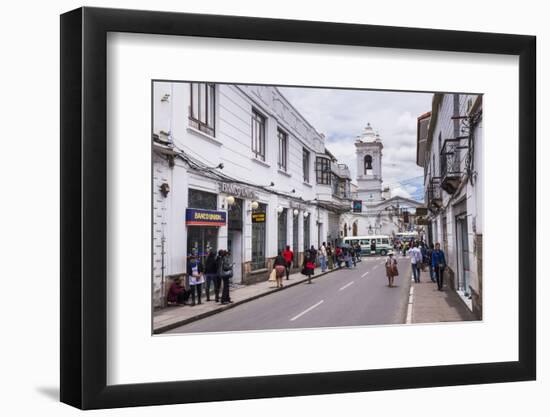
431, 306
175, 316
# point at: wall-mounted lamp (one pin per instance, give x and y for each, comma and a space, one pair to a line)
295, 212
306, 213
254, 205
230, 200
280, 209
164, 189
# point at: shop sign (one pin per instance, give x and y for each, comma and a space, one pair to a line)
258, 217
357, 206
238, 190
421, 211
422, 221
201, 217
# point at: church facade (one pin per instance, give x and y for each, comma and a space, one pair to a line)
375, 210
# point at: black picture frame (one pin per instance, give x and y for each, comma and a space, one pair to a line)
84, 207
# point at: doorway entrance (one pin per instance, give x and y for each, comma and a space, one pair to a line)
463, 255
235, 246
235, 238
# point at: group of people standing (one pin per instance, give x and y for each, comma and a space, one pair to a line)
215, 273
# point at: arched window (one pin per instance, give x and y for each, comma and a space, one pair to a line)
345, 229
368, 164
355, 228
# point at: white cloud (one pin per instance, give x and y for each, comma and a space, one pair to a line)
342, 115
401, 192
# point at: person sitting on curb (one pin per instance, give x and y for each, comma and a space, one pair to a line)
177, 294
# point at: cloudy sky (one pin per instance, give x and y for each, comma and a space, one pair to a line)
342, 116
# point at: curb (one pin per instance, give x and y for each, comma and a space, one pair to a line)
221, 308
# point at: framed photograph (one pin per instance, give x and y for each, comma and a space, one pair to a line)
258, 208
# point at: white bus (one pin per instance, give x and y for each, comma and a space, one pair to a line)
381, 244
406, 236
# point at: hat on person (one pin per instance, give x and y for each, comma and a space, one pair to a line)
390, 253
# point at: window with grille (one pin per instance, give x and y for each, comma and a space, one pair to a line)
258, 135
202, 110
322, 170
283, 149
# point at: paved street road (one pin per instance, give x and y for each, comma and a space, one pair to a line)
348, 297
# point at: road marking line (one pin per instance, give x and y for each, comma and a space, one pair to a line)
346, 286
364, 274
410, 306
306, 310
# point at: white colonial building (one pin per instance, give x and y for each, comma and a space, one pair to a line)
450, 148
238, 167
375, 210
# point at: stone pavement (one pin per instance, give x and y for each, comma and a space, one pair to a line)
175, 316
430, 305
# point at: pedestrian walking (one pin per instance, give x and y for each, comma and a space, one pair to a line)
429, 252
195, 272
323, 257
439, 264
373, 246
353, 256
211, 268
330, 256
391, 268
423, 251
339, 256
226, 273
279, 265
416, 259
357, 248
289, 256
309, 265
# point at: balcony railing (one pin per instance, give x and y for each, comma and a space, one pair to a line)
434, 199
451, 162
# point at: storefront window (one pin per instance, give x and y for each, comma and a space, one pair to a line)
202, 239
281, 230
202, 200
258, 237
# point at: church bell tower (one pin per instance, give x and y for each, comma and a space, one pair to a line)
368, 148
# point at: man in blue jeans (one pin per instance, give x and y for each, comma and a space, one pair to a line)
438, 264
323, 257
